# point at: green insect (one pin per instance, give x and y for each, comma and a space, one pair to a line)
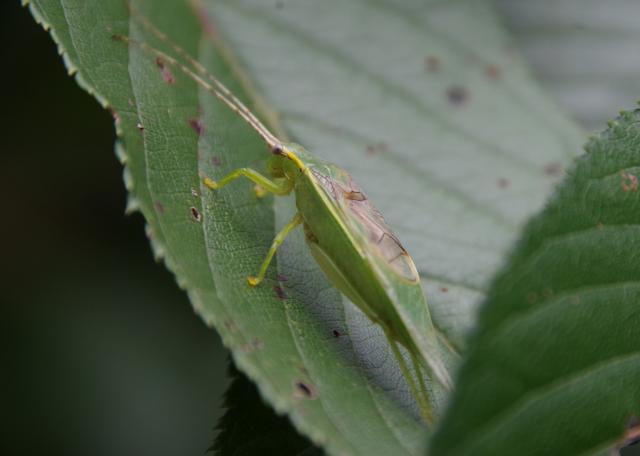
346, 234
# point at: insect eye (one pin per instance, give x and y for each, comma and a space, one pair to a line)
277, 149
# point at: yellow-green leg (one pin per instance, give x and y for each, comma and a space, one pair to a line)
421, 384
263, 185
279, 239
423, 400
282, 187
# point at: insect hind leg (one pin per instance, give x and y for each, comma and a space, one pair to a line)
421, 384
418, 392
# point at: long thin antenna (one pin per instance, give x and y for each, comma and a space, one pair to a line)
224, 95
148, 25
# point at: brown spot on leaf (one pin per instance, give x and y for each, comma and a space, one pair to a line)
444, 289
532, 298
166, 73
547, 293
305, 389
195, 213
231, 326
600, 226
431, 63
159, 207
139, 126
554, 169
279, 292
373, 149
503, 182
458, 95
336, 333
257, 343
196, 125
628, 182
493, 72
216, 161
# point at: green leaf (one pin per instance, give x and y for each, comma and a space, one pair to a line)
432, 98
580, 51
421, 102
555, 360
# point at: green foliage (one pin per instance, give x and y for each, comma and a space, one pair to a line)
579, 51
427, 95
554, 360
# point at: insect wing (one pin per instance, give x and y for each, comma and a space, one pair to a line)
366, 222
393, 264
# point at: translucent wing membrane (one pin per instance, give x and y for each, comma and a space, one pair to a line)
361, 215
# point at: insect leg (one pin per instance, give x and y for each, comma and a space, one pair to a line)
279, 239
279, 188
421, 384
423, 401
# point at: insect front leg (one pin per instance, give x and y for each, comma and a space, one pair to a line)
277, 241
263, 183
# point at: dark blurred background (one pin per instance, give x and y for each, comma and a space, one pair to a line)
102, 353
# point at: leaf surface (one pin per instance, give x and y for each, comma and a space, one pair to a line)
421, 102
553, 366
428, 107
585, 52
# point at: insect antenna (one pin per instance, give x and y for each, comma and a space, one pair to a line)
218, 88
163, 57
